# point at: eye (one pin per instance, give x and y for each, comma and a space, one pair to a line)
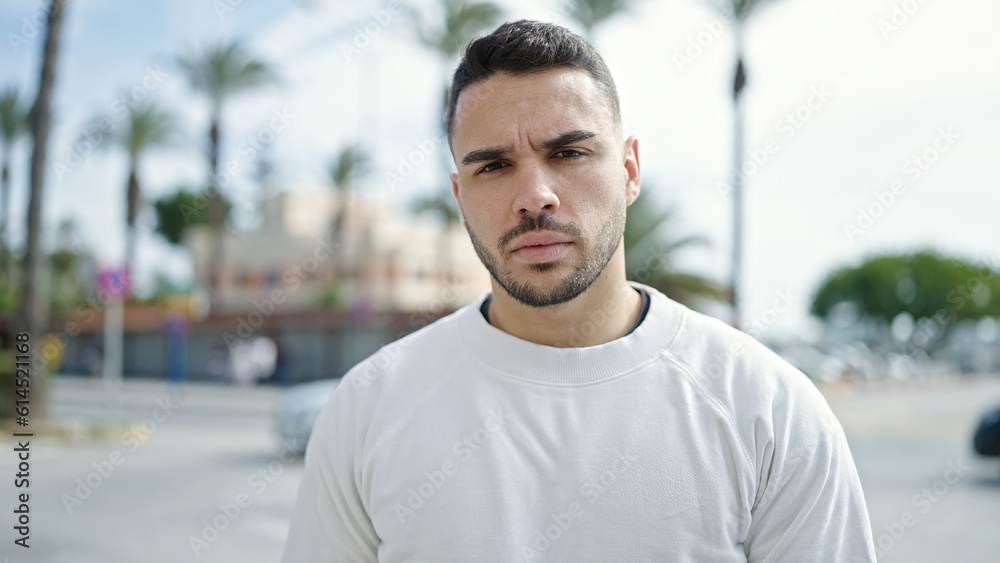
569, 153
491, 167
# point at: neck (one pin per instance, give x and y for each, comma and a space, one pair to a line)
604, 312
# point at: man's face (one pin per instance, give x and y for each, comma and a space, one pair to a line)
543, 181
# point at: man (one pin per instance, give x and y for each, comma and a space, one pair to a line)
569, 415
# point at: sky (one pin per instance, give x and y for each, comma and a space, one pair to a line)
873, 126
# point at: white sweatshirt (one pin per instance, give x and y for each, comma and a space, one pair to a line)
685, 441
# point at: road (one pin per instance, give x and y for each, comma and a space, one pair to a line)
164, 481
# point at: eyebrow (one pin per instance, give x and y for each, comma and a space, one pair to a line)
493, 153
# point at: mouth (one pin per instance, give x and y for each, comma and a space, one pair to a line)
536, 253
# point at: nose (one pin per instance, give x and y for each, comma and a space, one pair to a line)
534, 192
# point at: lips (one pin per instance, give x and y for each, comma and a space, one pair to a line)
540, 239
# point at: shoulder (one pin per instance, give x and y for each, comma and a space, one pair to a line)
746, 378
414, 359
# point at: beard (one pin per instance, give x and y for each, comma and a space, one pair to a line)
595, 256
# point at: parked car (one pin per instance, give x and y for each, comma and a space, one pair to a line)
296, 411
986, 440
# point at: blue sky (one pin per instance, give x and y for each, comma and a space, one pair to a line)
890, 92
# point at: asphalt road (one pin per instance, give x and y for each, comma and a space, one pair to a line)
164, 481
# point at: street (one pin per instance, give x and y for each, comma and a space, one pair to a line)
210, 482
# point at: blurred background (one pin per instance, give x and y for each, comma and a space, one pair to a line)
210, 211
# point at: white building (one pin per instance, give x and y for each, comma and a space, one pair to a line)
389, 261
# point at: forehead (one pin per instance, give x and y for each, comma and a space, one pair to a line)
539, 105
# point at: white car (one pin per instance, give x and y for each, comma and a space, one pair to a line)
297, 409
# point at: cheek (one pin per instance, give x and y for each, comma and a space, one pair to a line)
483, 214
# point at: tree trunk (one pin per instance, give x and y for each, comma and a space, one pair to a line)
216, 212
33, 310
344, 282
132, 206
4, 197
4, 215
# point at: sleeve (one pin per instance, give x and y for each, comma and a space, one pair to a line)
809, 505
329, 522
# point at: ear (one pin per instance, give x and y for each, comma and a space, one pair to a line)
458, 200
632, 177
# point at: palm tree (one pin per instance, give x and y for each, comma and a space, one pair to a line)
32, 312
441, 204
221, 72
13, 124
650, 254
740, 11
148, 127
462, 20
345, 169
592, 13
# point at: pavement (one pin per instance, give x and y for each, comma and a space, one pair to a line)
162, 486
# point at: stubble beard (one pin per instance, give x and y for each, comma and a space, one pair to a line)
595, 258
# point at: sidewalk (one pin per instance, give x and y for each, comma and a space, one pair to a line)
210, 397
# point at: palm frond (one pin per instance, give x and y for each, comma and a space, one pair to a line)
13, 116
223, 70
462, 20
592, 13
347, 166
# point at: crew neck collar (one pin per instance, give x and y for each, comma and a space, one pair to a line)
518, 358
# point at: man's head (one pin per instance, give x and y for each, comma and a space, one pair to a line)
524, 47
543, 174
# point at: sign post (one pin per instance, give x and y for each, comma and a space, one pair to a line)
113, 288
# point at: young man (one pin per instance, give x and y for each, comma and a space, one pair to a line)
569, 415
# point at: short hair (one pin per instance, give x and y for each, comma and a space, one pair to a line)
527, 46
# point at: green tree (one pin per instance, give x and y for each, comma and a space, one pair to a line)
32, 313
590, 14
176, 213
13, 124
925, 285
350, 164
147, 127
221, 72
441, 205
650, 254
462, 21
70, 266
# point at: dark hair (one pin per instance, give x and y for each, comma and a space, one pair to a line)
528, 46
